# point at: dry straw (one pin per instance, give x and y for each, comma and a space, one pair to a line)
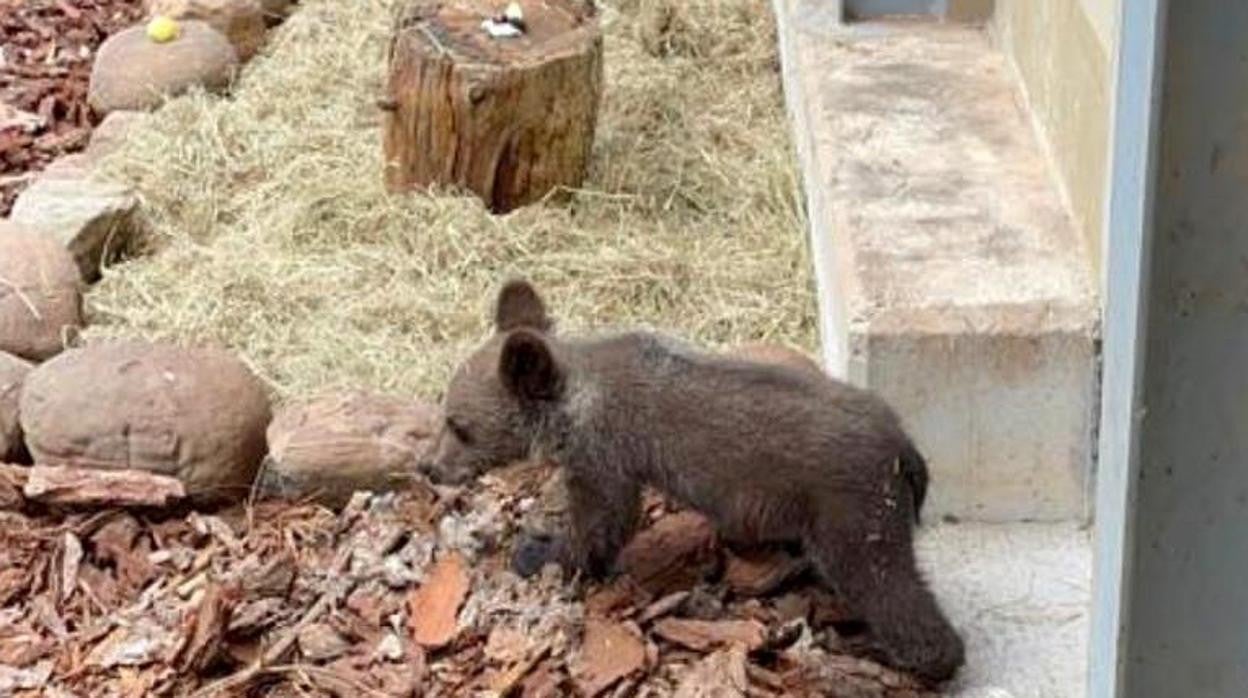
272, 233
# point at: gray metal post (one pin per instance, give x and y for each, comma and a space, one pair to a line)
1171, 601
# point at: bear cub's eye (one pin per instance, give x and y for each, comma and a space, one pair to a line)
458, 430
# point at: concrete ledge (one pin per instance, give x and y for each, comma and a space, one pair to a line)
951, 278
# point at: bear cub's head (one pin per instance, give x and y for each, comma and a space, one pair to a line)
500, 397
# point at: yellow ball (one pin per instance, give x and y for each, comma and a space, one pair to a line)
162, 30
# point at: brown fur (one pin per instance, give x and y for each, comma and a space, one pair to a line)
770, 453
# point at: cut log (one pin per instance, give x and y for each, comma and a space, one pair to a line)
510, 118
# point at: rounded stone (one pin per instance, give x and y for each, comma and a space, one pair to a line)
133, 72
276, 10
195, 414
40, 293
333, 445
12, 373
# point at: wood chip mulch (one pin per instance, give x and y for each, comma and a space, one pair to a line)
396, 595
46, 51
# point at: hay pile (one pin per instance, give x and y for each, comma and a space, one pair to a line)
272, 234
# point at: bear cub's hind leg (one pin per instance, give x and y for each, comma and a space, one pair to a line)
875, 573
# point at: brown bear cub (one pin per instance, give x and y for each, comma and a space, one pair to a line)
768, 453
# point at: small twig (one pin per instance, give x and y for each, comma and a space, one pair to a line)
253, 494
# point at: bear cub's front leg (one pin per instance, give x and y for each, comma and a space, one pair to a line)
603, 512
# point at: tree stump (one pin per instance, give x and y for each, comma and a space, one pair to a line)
509, 118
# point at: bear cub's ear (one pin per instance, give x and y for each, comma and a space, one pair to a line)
518, 306
528, 368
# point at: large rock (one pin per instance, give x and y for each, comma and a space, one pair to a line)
275, 11
195, 414
241, 21
40, 294
332, 446
94, 220
133, 72
111, 134
12, 372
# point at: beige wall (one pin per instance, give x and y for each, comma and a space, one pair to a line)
1063, 50
1104, 17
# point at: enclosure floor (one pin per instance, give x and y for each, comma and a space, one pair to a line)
1020, 594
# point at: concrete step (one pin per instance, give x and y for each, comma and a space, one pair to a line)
951, 277
1019, 593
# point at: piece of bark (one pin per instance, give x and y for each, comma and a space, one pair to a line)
543, 682
433, 609
720, 675
616, 599
87, 487
14, 582
212, 619
609, 652
135, 644
663, 606
254, 617
508, 118
760, 572
12, 480
71, 560
268, 575
673, 554
705, 635
24, 648
506, 645
506, 681
118, 542
319, 642
843, 675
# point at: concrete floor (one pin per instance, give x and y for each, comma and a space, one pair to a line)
1020, 594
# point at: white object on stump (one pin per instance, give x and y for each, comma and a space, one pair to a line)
508, 115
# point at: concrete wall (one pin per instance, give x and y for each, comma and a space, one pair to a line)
1062, 50
975, 11
1171, 607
